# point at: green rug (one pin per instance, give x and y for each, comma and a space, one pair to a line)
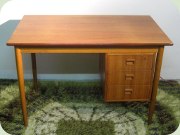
77, 108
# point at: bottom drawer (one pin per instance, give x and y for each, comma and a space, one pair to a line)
128, 93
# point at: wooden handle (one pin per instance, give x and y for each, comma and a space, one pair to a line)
129, 76
130, 61
128, 91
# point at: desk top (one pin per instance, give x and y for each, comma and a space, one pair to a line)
87, 30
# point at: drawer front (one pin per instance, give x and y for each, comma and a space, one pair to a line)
128, 62
128, 92
130, 77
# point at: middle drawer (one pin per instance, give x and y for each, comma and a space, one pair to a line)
132, 77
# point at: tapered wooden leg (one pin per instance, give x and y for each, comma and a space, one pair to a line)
19, 66
34, 70
155, 83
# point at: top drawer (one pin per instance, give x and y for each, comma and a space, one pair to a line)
130, 61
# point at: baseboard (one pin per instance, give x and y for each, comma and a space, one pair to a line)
73, 77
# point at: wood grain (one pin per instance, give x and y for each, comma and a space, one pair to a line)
155, 83
129, 75
34, 71
88, 30
128, 46
123, 93
19, 65
128, 61
87, 50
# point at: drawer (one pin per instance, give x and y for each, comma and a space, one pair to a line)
128, 92
130, 61
130, 77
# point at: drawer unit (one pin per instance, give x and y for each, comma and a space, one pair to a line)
129, 76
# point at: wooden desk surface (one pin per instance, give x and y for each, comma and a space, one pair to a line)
87, 30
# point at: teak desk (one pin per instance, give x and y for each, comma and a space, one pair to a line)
130, 48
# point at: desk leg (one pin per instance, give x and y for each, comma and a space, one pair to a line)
34, 70
19, 66
155, 83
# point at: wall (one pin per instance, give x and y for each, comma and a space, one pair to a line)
80, 66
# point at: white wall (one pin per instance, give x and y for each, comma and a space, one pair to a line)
85, 66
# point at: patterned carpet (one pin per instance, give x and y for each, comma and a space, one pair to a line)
77, 108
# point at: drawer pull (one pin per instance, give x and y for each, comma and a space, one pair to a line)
130, 61
129, 76
128, 91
